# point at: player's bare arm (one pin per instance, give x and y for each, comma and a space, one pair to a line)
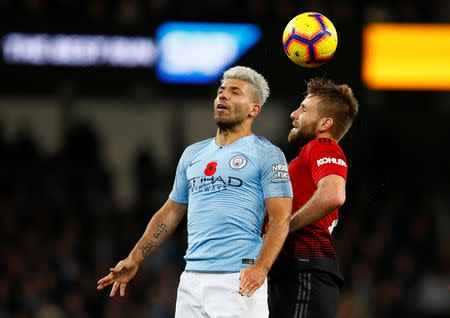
161, 225
329, 196
252, 277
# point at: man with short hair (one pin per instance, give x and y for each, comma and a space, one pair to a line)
304, 281
224, 184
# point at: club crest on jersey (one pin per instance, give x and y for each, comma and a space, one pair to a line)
238, 162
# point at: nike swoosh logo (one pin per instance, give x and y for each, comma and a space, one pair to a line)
193, 163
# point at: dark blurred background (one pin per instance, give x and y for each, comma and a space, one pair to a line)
88, 154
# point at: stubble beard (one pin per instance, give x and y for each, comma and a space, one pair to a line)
301, 137
228, 124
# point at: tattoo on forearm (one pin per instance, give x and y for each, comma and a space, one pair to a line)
146, 249
161, 228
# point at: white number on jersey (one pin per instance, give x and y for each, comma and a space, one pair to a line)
332, 226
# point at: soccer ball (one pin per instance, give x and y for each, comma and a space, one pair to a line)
310, 39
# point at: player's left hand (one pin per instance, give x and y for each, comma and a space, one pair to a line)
251, 279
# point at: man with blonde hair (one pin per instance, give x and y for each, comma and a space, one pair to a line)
224, 185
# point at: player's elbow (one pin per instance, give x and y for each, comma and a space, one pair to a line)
333, 200
337, 200
283, 218
279, 212
286, 220
280, 223
332, 194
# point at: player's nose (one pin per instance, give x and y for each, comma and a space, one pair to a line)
223, 95
294, 115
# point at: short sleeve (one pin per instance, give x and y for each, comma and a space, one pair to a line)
180, 193
326, 159
275, 180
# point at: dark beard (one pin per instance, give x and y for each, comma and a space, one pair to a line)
300, 138
227, 126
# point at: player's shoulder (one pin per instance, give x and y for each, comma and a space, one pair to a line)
323, 143
267, 152
323, 147
264, 143
200, 144
197, 146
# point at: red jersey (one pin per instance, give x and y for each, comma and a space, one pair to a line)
313, 245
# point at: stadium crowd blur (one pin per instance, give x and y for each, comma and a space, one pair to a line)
62, 228
137, 15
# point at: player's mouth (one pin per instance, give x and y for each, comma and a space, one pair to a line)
222, 107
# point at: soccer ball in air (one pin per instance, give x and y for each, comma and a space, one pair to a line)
310, 39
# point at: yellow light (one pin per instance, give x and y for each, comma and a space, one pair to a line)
406, 56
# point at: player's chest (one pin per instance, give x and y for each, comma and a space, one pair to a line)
221, 167
299, 171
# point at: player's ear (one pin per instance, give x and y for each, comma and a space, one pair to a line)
255, 110
325, 124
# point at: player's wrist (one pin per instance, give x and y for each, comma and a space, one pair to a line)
135, 257
263, 266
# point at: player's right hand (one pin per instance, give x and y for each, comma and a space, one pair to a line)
119, 276
251, 279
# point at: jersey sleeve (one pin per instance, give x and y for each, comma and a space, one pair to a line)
275, 180
180, 193
326, 159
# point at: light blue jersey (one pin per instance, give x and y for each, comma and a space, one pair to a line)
225, 188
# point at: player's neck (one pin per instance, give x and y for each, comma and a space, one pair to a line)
228, 136
327, 135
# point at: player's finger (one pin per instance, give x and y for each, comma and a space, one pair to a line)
242, 289
105, 281
102, 280
251, 290
101, 286
114, 289
122, 289
116, 270
246, 279
242, 286
243, 280
245, 289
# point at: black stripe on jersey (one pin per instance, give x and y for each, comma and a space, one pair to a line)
320, 140
329, 140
